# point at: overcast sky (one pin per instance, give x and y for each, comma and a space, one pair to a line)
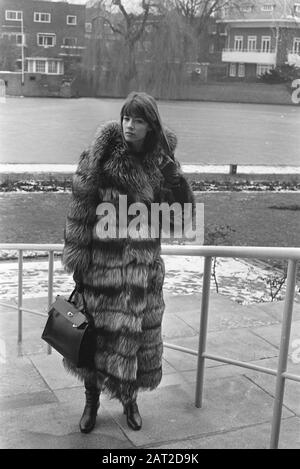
127, 3
82, 2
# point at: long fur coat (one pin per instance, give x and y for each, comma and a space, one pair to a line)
123, 277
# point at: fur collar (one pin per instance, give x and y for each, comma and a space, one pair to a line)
109, 137
121, 169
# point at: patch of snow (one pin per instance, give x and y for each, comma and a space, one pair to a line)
37, 168
7, 254
236, 278
186, 167
241, 169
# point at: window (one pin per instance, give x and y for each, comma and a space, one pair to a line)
88, 27
70, 41
40, 66
211, 48
241, 70
252, 40
296, 45
71, 19
268, 7
16, 38
52, 66
19, 39
297, 7
46, 40
30, 66
232, 70
225, 11
261, 69
12, 15
266, 44
238, 42
46, 66
39, 17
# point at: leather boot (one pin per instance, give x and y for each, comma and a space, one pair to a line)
134, 420
88, 419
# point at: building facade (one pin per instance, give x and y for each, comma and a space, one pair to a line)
42, 37
260, 35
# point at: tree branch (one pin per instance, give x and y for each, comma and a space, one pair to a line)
122, 9
112, 27
139, 32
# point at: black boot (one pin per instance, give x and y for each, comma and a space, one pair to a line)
88, 419
134, 420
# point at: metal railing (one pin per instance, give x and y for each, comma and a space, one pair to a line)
292, 255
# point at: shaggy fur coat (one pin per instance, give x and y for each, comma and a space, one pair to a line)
123, 277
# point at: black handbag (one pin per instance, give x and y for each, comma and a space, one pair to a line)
71, 331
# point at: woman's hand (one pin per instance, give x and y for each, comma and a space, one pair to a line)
169, 170
77, 277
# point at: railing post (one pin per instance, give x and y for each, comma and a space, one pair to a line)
283, 352
203, 330
50, 287
20, 295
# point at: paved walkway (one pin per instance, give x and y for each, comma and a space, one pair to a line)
41, 404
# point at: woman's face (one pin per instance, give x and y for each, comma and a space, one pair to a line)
135, 129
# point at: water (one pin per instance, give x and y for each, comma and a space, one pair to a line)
50, 130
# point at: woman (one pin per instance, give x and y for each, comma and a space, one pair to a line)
122, 276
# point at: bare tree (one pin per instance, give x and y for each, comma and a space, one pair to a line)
198, 12
130, 28
165, 71
94, 58
118, 55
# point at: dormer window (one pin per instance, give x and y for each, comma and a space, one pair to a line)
88, 27
268, 7
296, 46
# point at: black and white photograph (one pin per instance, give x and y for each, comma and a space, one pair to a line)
149, 228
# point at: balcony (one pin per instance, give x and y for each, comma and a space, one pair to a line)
249, 56
72, 47
294, 58
71, 51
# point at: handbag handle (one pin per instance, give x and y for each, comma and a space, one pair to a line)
85, 312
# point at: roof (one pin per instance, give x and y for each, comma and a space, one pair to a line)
262, 10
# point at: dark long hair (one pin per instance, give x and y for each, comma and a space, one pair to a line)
140, 104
